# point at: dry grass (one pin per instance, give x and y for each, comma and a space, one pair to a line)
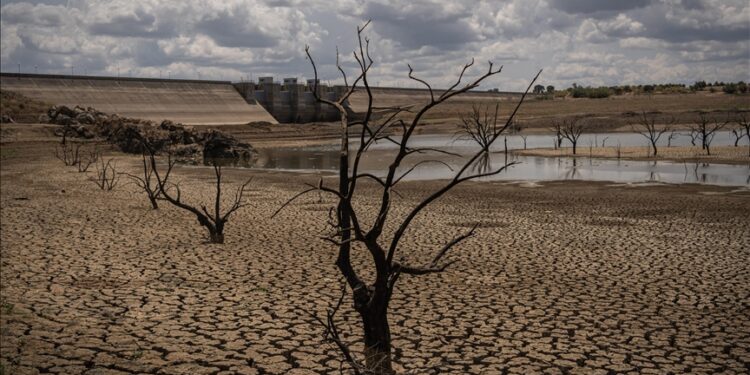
21, 108
613, 113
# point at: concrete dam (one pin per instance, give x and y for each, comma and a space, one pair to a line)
190, 102
292, 102
202, 102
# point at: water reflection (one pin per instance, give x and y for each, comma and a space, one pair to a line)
516, 142
527, 168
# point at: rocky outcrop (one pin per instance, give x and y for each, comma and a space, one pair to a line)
129, 134
217, 145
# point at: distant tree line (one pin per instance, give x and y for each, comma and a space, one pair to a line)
599, 92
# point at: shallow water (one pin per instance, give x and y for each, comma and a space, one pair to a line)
528, 168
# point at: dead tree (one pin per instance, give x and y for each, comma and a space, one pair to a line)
743, 120
738, 134
371, 299
147, 183
706, 129
91, 158
572, 129
693, 136
106, 175
68, 153
213, 221
672, 135
479, 126
649, 130
74, 154
557, 128
517, 129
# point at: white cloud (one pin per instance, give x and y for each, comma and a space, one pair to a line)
586, 41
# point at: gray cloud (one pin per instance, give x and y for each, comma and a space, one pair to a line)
420, 24
230, 30
25, 13
137, 24
597, 7
582, 41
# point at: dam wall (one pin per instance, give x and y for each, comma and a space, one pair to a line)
291, 102
191, 102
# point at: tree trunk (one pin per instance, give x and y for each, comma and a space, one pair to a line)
653, 144
154, 204
215, 232
377, 340
574, 147
216, 237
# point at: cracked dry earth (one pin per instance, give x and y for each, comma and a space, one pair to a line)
563, 278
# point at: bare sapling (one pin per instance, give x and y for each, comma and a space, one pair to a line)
572, 129
738, 134
693, 134
371, 298
557, 128
518, 129
92, 156
649, 129
214, 220
672, 135
106, 176
147, 182
618, 150
706, 129
743, 120
68, 153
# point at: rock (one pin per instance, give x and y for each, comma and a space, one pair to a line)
62, 119
86, 118
186, 151
84, 132
56, 111
129, 134
44, 119
218, 145
127, 138
5, 118
169, 125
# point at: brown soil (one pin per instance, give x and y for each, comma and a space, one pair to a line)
615, 113
574, 277
21, 108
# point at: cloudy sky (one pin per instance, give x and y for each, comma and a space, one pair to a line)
589, 42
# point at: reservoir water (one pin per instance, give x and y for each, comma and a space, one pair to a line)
526, 168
